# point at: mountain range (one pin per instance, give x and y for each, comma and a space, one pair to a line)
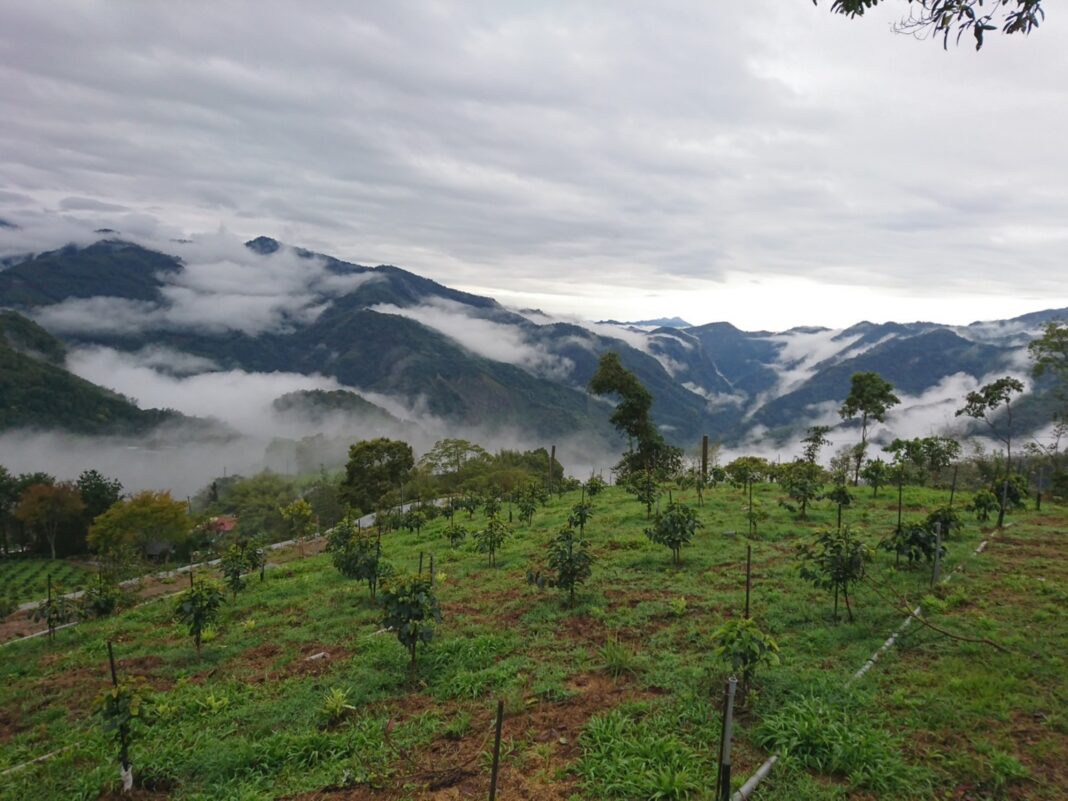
383, 336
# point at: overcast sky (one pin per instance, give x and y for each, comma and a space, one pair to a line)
763, 162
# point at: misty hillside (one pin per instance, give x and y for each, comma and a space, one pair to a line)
37, 392
424, 350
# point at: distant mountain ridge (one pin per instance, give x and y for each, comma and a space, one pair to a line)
660, 322
468, 360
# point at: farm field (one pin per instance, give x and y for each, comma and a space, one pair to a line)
24, 580
616, 699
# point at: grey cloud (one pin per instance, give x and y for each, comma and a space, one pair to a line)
88, 204
532, 146
493, 340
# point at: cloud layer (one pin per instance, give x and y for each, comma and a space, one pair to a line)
764, 162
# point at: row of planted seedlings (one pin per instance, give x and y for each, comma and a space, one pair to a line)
410, 608
836, 561
23, 580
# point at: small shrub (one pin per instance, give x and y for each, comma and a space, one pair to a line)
915, 541
570, 559
455, 533
490, 538
233, 565
528, 504
945, 518
56, 610
580, 515
594, 486
410, 610
742, 644
123, 708
198, 608
643, 486
984, 504
834, 561
674, 528
100, 600
360, 557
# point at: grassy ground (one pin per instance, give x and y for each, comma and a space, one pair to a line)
614, 699
23, 580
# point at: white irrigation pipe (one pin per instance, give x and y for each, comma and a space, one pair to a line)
44, 758
762, 772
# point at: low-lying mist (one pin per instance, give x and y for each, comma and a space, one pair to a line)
251, 432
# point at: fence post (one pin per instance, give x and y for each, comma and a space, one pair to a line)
723, 777
496, 751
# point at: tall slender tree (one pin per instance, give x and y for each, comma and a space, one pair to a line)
983, 404
871, 396
632, 417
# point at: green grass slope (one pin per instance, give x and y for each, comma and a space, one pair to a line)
615, 699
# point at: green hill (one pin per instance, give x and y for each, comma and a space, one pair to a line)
37, 392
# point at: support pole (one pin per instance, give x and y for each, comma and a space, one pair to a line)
704, 458
723, 777
496, 751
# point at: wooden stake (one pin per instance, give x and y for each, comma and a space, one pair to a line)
704, 458
953, 486
496, 750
